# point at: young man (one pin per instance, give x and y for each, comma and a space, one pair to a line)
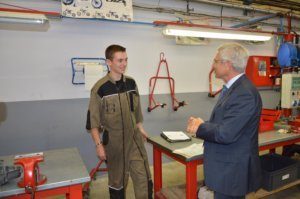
115, 110
231, 161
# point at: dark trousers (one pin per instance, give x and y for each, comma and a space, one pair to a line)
218, 195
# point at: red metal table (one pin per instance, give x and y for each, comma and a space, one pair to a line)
65, 173
267, 141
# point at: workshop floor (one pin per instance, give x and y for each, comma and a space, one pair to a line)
99, 186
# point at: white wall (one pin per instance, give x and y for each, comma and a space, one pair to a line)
36, 65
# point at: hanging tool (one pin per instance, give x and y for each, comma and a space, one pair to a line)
152, 83
31, 172
211, 93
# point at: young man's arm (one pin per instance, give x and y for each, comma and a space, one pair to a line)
142, 130
95, 123
98, 143
139, 117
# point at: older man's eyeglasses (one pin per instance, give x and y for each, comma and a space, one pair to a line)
216, 61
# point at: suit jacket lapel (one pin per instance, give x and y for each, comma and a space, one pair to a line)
227, 94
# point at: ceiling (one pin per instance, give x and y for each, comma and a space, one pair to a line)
283, 6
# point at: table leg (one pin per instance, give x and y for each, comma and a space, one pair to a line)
157, 164
191, 180
75, 192
272, 150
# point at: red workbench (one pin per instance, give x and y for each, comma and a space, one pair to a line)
267, 141
65, 172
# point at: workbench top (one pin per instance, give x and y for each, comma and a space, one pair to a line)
62, 167
264, 139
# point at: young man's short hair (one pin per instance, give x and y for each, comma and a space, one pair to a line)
112, 49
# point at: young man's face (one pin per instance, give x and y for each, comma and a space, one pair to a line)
118, 63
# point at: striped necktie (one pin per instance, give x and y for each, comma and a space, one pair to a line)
223, 92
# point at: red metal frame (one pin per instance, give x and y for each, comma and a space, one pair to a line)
191, 168
72, 192
211, 93
152, 103
271, 147
190, 171
93, 172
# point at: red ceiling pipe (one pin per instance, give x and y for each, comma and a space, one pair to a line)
289, 37
54, 14
289, 22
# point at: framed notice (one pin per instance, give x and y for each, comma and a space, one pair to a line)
120, 10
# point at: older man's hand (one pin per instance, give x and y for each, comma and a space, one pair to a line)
193, 125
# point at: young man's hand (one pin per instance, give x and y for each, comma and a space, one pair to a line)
145, 135
142, 130
101, 152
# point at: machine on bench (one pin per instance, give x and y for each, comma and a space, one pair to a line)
8, 173
32, 176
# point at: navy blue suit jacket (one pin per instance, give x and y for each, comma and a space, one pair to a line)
231, 159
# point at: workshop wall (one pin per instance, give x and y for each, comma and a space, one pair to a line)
36, 65
39, 107
34, 126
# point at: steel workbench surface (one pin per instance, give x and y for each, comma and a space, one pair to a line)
65, 172
267, 141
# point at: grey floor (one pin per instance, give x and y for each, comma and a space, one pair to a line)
291, 193
99, 186
173, 175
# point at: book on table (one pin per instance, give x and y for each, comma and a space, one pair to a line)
175, 136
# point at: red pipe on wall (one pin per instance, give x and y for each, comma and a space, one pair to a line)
55, 14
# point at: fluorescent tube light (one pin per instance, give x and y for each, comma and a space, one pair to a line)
215, 33
23, 18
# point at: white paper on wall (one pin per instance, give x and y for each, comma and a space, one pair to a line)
92, 73
120, 10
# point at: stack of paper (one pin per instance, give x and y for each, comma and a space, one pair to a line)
175, 136
190, 151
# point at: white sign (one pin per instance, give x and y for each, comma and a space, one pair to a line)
120, 10
92, 73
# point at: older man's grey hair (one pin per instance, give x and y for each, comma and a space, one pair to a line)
236, 54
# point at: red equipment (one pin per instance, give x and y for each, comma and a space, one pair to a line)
263, 71
267, 119
31, 172
86, 186
152, 103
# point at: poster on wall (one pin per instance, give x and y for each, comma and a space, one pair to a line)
120, 10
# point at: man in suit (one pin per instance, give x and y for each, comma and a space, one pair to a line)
231, 159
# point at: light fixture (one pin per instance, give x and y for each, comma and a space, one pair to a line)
23, 18
215, 33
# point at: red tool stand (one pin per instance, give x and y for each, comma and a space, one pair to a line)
152, 83
86, 186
